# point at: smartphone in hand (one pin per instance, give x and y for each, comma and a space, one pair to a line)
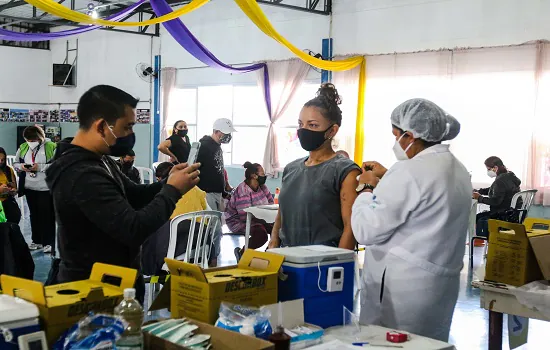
27, 166
192, 159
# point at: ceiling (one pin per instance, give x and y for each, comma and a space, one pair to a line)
19, 15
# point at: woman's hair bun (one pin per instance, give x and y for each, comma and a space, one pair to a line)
247, 165
328, 91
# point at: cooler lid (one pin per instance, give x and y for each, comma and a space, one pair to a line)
313, 253
16, 309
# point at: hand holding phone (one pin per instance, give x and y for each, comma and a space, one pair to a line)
27, 166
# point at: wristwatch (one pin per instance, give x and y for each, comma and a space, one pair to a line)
364, 187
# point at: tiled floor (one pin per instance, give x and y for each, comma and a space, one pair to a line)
470, 323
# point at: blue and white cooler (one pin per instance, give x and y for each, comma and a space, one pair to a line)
17, 317
322, 276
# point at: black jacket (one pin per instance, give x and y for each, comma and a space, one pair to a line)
15, 257
131, 172
102, 216
211, 158
501, 192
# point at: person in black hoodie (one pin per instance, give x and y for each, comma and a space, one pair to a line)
498, 196
102, 216
212, 171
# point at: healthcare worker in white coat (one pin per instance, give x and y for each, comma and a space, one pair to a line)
413, 220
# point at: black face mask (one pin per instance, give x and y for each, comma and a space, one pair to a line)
128, 164
182, 133
123, 145
226, 138
311, 140
262, 180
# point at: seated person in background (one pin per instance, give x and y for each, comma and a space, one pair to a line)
318, 191
498, 196
126, 164
8, 190
251, 192
154, 250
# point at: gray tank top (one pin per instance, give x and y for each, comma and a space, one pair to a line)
310, 202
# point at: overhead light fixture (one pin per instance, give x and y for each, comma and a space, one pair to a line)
92, 14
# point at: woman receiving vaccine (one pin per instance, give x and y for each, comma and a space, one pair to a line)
413, 220
318, 191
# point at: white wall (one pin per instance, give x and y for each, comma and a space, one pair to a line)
233, 38
359, 26
105, 57
25, 75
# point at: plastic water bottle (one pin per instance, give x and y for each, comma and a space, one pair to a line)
132, 312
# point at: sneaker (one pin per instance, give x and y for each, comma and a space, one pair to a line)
48, 249
34, 246
238, 253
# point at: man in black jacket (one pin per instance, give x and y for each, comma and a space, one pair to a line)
126, 163
101, 214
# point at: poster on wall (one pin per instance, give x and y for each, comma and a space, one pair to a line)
38, 116
54, 116
19, 115
68, 116
4, 114
143, 116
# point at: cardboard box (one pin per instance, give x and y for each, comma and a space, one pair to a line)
510, 258
63, 305
196, 293
538, 231
221, 339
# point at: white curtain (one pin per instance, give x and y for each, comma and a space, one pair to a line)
347, 84
285, 77
499, 95
168, 85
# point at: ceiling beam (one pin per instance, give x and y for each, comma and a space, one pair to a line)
12, 4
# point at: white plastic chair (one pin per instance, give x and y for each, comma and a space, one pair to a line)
209, 221
528, 197
10, 160
143, 171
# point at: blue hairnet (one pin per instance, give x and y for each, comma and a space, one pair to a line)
426, 120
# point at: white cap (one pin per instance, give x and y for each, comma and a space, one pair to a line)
129, 293
224, 125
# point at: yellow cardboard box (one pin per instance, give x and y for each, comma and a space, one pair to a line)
62, 305
538, 231
197, 293
510, 258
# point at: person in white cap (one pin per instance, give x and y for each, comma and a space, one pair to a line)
212, 170
413, 220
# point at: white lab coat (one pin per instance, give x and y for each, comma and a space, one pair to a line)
414, 226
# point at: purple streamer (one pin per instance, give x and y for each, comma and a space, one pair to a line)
17, 36
189, 42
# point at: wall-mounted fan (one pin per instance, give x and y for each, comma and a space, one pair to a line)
316, 55
145, 72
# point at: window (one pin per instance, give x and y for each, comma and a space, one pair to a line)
244, 105
492, 93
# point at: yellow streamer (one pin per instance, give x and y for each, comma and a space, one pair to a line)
59, 10
359, 133
256, 15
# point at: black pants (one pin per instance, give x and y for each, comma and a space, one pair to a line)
12, 211
42, 217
